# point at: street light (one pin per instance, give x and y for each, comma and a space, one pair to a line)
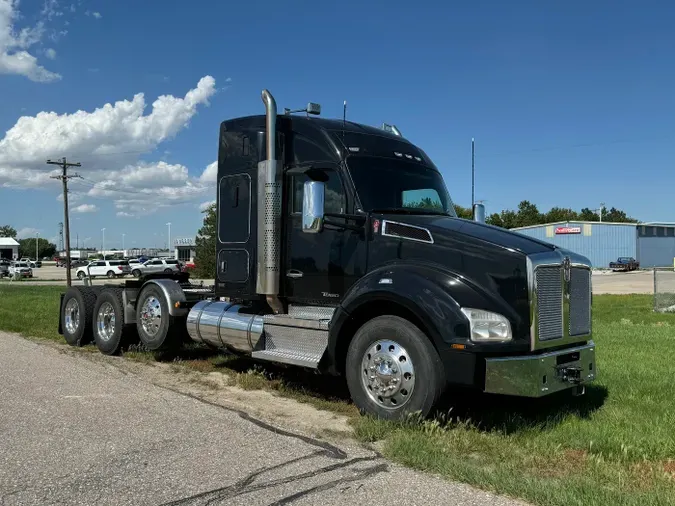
168, 242
123, 243
37, 241
103, 243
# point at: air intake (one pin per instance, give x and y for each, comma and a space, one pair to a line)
405, 231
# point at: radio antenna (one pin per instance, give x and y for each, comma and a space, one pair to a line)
344, 118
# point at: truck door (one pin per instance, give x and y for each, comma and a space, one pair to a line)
319, 268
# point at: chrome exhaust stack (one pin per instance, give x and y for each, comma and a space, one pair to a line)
269, 213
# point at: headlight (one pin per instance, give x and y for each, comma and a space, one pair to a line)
486, 326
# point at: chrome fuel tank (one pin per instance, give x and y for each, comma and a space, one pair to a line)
224, 325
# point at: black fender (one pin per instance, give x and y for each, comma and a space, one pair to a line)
434, 296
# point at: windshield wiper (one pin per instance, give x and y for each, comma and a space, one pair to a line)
409, 210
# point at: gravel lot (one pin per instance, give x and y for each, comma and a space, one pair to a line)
80, 430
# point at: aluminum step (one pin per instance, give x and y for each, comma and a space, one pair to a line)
294, 341
310, 312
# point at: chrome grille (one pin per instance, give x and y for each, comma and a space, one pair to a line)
580, 302
549, 286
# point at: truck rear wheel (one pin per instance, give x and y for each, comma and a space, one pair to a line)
108, 321
393, 369
157, 329
76, 311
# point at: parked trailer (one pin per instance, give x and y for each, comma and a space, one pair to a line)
338, 249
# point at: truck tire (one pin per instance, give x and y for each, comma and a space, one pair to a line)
108, 321
393, 369
76, 311
157, 329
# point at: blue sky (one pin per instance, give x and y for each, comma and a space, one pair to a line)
571, 104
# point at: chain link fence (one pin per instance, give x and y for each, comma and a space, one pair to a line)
664, 289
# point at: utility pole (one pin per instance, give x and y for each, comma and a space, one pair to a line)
37, 241
64, 177
473, 173
123, 250
103, 243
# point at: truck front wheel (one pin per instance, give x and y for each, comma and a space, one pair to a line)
393, 369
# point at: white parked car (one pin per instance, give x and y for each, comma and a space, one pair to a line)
22, 269
108, 268
167, 265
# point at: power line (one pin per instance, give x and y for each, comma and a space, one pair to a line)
64, 177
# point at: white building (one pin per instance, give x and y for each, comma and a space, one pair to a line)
185, 250
9, 248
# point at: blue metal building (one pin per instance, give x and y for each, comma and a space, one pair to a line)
653, 245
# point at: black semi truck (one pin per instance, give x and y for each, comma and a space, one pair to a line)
339, 250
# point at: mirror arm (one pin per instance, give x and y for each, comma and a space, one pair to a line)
354, 217
358, 228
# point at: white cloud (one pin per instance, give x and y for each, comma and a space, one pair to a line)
50, 53
205, 205
85, 208
210, 174
116, 130
112, 136
14, 45
97, 15
27, 232
123, 214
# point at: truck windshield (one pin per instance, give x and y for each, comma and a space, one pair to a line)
390, 185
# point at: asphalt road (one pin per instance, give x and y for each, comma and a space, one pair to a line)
76, 431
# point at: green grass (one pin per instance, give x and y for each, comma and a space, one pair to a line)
615, 445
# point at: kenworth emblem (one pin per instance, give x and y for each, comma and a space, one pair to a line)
566, 268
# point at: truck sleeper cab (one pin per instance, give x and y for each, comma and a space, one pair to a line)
338, 249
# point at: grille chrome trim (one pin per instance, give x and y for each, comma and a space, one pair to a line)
571, 322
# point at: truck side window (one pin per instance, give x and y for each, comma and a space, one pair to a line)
335, 195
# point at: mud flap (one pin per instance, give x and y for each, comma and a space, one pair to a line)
61, 313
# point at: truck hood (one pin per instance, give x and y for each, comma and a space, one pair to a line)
497, 236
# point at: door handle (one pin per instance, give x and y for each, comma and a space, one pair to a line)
294, 273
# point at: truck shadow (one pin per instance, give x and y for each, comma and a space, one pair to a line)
486, 412
508, 415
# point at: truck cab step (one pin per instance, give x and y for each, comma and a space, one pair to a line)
299, 337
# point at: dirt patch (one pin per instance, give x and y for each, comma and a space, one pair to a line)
218, 388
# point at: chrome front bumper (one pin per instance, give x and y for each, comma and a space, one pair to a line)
539, 375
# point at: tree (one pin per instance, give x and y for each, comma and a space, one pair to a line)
587, 215
505, 219
528, 214
205, 251
560, 214
45, 248
463, 212
7, 231
617, 216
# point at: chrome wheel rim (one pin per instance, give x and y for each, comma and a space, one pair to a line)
72, 316
105, 321
387, 374
151, 315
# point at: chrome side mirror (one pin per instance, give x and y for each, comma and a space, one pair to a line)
479, 213
313, 194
